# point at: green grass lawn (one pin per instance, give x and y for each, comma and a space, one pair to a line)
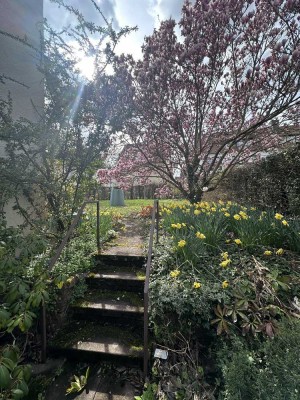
133, 206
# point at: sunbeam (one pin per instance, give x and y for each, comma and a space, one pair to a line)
76, 102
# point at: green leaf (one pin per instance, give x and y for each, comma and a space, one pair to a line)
17, 394
25, 322
10, 364
11, 352
24, 387
4, 317
27, 371
4, 377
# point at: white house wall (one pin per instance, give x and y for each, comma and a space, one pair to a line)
22, 18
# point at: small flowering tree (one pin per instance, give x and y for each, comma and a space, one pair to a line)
203, 102
130, 170
125, 173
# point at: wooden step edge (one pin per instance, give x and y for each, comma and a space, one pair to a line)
102, 349
119, 257
115, 276
109, 307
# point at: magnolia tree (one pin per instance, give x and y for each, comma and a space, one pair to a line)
213, 97
130, 170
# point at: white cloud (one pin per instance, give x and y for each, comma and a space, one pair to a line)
146, 14
133, 13
164, 9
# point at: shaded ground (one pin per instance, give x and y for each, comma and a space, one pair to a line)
105, 383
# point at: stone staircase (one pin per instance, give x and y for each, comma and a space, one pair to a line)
107, 325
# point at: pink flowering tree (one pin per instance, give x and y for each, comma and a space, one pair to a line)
130, 170
214, 97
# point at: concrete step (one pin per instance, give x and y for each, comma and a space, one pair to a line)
115, 304
91, 341
116, 281
109, 260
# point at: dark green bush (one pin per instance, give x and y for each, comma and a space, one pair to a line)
269, 370
272, 183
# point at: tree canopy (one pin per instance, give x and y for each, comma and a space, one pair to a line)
212, 97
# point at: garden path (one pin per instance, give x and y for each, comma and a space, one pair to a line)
130, 240
120, 383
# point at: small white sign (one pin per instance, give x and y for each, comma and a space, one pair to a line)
162, 354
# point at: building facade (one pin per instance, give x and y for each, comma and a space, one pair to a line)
23, 83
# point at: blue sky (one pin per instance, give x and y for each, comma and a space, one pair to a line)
145, 14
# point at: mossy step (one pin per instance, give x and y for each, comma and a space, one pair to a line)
90, 339
116, 280
110, 396
96, 295
119, 260
139, 271
117, 275
110, 304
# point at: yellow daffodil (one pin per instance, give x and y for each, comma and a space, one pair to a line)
200, 235
243, 215
227, 214
225, 284
181, 243
197, 212
278, 216
225, 263
279, 252
197, 285
237, 241
268, 253
224, 255
213, 209
175, 273
284, 222
237, 217
176, 226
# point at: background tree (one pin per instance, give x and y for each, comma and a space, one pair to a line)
205, 101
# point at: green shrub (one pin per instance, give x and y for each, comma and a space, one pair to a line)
269, 370
26, 283
272, 183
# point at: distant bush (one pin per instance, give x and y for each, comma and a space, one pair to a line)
272, 183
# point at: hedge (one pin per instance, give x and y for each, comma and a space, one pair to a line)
274, 182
